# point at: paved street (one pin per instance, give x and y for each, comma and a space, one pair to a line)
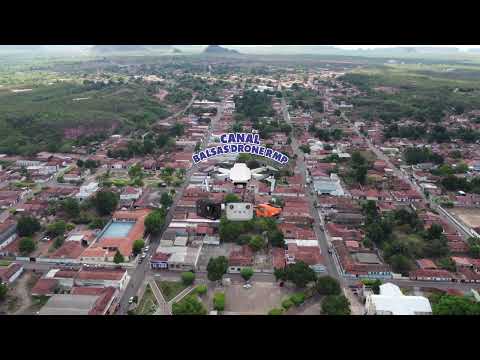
321, 236
138, 276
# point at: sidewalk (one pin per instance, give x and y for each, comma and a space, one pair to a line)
163, 307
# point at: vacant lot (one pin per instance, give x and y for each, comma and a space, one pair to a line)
470, 217
258, 300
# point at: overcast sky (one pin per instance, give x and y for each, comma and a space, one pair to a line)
462, 47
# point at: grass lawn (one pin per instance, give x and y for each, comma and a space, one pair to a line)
148, 304
170, 289
5, 262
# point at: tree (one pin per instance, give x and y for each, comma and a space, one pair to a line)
335, 305
71, 207
190, 305
373, 284
3, 291
216, 268
400, 263
246, 273
97, 223
154, 222
105, 202
256, 242
166, 200
219, 301
231, 198
26, 245
135, 171
138, 246
455, 305
118, 258
327, 285
188, 278
474, 247
300, 274
57, 228
280, 274
27, 226
305, 148
370, 210
59, 240
276, 238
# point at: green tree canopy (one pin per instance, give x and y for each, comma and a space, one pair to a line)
166, 200
276, 238
154, 222
27, 226
300, 274
189, 305
327, 285
71, 207
57, 228
216, 268
3, 291
118, 258
26, 246
246, 273
257, 242
138, 246
335, 305
188, 278
106, 202
455, 305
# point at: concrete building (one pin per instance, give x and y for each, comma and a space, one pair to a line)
87, 190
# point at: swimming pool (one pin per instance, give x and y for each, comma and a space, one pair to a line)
117, 229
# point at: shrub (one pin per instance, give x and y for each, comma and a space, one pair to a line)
287, 304
201, 289
298, 299
219, 301
276, 311
188, 278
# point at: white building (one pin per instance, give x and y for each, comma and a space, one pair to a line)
87, 190
391, 301
130, 193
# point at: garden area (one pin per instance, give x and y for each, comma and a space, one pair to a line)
148, 304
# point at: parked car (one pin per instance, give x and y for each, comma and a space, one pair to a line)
130, 301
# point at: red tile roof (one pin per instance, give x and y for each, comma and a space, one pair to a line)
44, 286
241, 257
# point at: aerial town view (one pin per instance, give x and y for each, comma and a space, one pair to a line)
165, 180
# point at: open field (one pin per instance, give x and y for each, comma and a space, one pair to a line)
470, 217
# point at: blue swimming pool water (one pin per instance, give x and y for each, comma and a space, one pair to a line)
118, 229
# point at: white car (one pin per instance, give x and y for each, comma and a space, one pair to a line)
247, 286
130, 301
146, 248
